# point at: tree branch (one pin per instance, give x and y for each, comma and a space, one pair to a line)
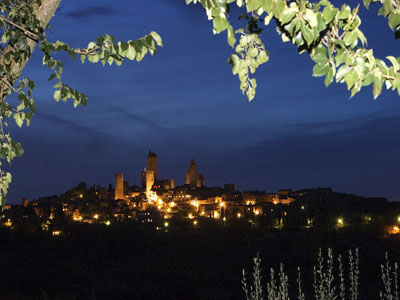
43, 13
28, 33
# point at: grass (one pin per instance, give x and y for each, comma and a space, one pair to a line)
331, 280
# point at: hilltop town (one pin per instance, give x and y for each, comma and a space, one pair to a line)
158, 203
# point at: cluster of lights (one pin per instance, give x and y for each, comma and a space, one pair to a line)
195, 203
395, 229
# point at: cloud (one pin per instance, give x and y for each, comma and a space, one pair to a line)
130, 116
91, 11
69, 124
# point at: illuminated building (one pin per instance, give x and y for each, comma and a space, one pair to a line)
152, 164
25, 202
200, 180
147, 181
191, 174
119, 186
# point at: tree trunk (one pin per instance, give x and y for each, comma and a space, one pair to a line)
43, 13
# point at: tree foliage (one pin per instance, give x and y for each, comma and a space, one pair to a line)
330, 35
23, 25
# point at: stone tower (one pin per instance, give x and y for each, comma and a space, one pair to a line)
119, 186
152, 164
147, 181
191, 174
200, 180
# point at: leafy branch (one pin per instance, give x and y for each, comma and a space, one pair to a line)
330, 35
22, 27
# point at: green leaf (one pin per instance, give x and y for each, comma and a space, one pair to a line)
287, 16
267, 5
220, 24
366, 3
329, 76
251, 93
231, 36
52, 76
394, 62
157, 38
350, 79
350, 37
344, 12
377, 86
17, 147
343, 70
307, 34
18, 120
253, 5
394, 20
262, 57
131, 53
320, 70
57, 95
329, 13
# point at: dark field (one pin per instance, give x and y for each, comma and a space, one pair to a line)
206, 263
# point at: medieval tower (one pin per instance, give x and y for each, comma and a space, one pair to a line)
191, 174
152, 164
119, 186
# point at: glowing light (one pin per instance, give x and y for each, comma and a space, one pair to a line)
239, 215
257, 212
398, 219
394, 229
166, 224
340, 222
202, 213
108, 223
222, 204
194, 203
159, 207
168, 210
96, 216
152, 197
8, 223
302, 207
194, 222
81, 196
216, 215
224, 219
77, 218
56, 232
275, 202
190, 216
172, 204
160, 202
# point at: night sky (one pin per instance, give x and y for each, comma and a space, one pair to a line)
184, 103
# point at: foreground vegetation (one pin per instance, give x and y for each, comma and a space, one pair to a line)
128, 262
326, 285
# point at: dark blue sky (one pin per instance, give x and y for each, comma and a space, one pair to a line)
184, 103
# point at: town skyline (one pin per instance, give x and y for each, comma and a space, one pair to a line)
185, 103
